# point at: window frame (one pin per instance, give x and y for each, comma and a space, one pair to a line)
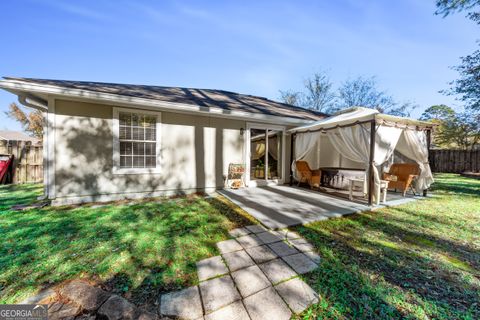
116, 142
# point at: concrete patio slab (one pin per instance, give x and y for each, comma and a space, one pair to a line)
217, 293
282, 249
297, 294
256, 228
277, 270
238, 260
238, 232
250, 280
261, 254
269, 237
234, 311
282, 206
249, 241
185, 304
267, 304
211, 268
300, 263
229, 246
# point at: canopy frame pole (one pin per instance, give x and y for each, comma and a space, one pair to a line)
429, 137
371, 178
292, 145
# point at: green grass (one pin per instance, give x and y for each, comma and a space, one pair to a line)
417, 261
136, 250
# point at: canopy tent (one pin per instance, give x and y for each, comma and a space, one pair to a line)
350, 133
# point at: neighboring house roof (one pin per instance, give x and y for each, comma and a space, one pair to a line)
17, 136
207, 98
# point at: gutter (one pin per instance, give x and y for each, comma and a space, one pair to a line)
32, 102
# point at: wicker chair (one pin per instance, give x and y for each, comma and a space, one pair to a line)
401, 175
305, 174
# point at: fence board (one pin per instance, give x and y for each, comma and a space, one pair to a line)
455, 161
28, 160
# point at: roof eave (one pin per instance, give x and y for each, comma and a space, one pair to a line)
17, 87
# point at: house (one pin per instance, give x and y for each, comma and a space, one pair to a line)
9, 135
106, 141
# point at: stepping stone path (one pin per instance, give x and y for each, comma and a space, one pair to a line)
255, 277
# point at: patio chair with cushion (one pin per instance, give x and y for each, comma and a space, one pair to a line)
401, 176
305, 174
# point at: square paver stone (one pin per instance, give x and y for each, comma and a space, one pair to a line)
302, 245
267, 304
313, 256
234, 311
282, 249
211, 268
249, 241
277, 270
261, 254
238, 232
300, 263
229, 246
256, 228
238, 260
297, 294
217, 293
185, 304
250, 280
289, 235
269, 237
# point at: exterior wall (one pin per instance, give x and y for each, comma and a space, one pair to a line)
195, 154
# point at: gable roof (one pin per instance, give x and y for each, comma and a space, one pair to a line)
17, 136
206, 98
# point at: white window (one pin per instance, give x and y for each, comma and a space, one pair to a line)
136, 141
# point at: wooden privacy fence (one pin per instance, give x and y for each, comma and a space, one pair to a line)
28, 162
455, 161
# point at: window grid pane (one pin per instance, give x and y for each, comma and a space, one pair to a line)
137, 139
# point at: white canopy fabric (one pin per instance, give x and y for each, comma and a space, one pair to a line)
345, 117
350, 136
305, 147
413, 145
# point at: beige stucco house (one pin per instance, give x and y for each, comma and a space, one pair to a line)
114, 141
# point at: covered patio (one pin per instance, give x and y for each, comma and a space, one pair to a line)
360, 148
283, 206
353, 161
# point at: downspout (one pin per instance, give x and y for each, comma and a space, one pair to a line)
42, 105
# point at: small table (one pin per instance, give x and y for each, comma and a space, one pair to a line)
381, 190
357, 183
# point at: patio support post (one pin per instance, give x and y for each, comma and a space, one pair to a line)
371, 164
292, 144
429, 137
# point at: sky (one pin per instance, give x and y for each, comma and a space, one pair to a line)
251, 47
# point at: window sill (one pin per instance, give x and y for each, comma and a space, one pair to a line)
136, 171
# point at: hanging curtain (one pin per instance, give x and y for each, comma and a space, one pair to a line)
306, 150
273, 147
413, 145
354, 143
258, 149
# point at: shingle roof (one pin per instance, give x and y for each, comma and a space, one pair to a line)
200, 97
17, 136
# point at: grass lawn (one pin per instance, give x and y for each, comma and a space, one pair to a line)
136, 250
418, 261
